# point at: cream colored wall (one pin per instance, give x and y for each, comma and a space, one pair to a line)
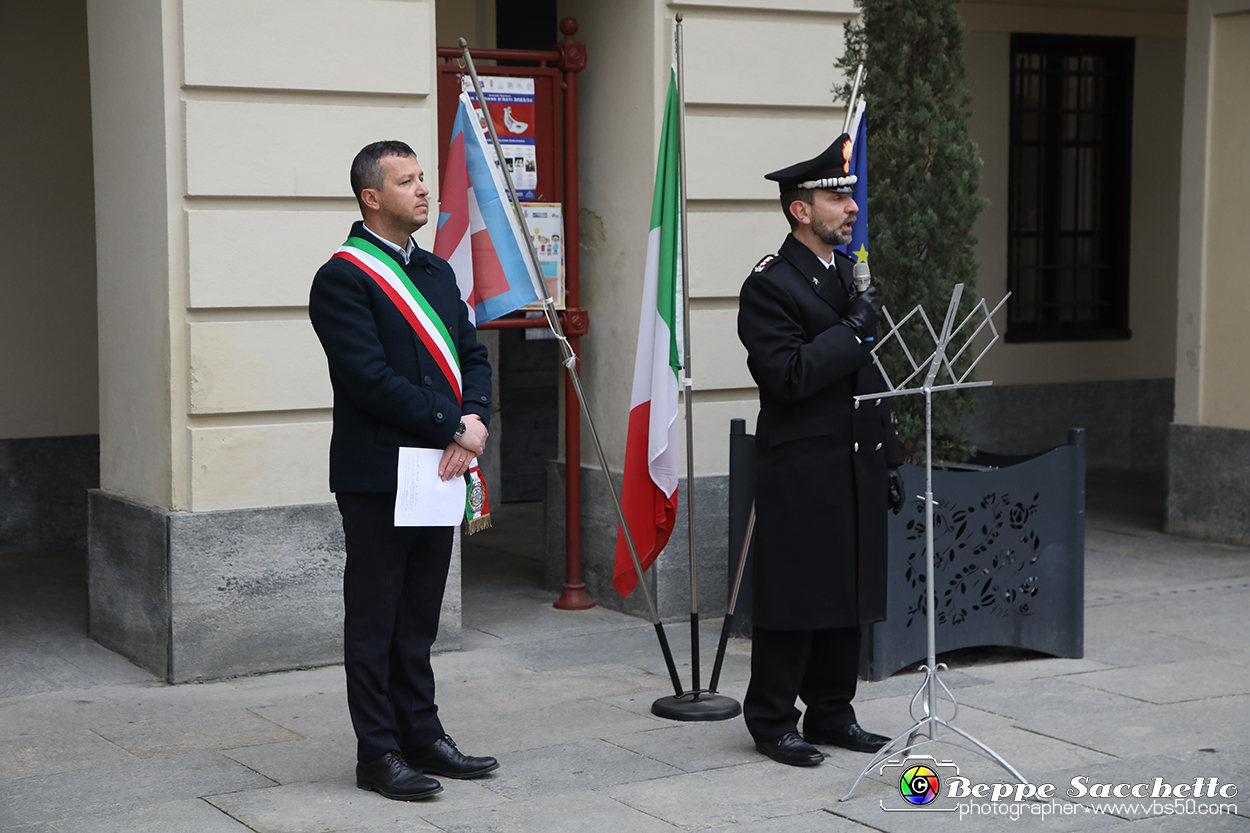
618, 133
130, 114
1158, 87
257, 108
47, 223
1137, 18
1225, 381
745, 117
1196, 138
758, 82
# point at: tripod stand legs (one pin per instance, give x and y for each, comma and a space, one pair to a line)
925, 728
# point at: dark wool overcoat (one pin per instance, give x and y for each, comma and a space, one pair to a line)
821, 493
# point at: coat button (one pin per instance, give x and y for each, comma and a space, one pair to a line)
484, 398
438, 414
878, 448
428, 380
857, 404
857, 446
875, 404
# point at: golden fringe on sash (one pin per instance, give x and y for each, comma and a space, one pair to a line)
477, 524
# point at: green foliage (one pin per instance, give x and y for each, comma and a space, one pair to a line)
923, 172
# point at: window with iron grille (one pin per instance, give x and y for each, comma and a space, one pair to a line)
1069, 187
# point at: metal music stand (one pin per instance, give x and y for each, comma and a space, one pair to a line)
924, 730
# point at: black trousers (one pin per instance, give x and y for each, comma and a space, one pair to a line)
392, 593
821, 667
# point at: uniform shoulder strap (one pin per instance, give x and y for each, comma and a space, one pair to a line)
764, 263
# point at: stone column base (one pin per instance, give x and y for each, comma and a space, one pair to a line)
1208, 493
203, 595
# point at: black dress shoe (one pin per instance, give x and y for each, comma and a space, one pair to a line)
851, 736
393, 778
443, 758
790, 749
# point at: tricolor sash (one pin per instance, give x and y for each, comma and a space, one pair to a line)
382, 267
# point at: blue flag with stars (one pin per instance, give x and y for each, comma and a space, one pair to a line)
858, 247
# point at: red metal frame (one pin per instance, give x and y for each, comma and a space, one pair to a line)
568, 59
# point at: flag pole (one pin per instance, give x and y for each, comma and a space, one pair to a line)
698, 703
687, 382
850, 103
570, 364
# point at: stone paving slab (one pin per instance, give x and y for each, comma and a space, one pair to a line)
191, 815
31, 669
1139, 647
1176, 682
35, 714
1028, 751
340, 806
166, 734
1187, 824
95, 664
568, 813
906, 684
572, 767
819, 821
732, 795
1048, 700
294, 762
1143, 769
1164, 730
52, 750
320, 714
564, 700
543, 727
694, 747
120, 787
1021, 670
870, 813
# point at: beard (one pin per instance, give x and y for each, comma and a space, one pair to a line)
828, 235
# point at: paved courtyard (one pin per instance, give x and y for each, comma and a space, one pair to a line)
89, 742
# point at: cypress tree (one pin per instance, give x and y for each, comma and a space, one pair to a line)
923, 173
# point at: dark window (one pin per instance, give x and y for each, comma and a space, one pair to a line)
1068, 207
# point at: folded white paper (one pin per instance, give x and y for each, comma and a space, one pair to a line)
422, 498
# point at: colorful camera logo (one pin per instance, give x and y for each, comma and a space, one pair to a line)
919, 785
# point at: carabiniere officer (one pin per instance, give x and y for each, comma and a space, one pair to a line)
826, 469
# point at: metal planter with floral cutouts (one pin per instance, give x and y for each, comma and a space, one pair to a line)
1009, 560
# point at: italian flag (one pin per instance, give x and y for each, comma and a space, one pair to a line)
649, 492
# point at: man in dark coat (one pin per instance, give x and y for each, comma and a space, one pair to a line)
395, 385
826, 470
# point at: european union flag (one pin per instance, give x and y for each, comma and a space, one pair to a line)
858, 247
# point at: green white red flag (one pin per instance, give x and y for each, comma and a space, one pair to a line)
649, 491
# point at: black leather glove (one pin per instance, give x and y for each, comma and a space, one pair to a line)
862, 312
898, 494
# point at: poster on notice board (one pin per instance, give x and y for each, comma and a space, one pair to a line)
511, 103
546, 224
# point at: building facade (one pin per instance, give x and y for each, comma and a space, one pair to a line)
176, 170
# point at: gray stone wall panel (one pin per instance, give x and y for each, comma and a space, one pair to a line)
43, 490
669, 579
1208, 487
1125, 421
199, 596
128, 580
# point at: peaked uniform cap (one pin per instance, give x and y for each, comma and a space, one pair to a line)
830, 170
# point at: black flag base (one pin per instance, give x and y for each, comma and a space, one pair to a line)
696, 705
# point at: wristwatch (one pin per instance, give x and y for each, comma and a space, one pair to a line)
461, 429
